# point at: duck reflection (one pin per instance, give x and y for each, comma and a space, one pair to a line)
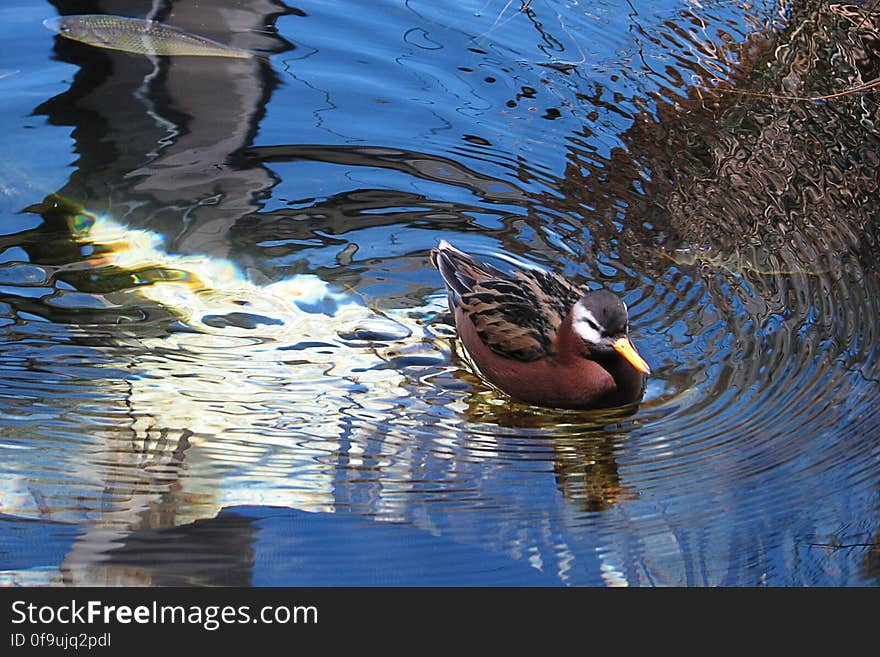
587, 472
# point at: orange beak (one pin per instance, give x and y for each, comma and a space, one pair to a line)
625, 348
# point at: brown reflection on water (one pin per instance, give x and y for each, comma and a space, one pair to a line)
587, 472
762, 184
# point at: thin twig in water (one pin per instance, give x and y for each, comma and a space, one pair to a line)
868, 13
524, 7
868, 86
583, 59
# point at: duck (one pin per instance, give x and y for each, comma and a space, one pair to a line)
539, 338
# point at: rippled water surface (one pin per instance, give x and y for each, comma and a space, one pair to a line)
225, 357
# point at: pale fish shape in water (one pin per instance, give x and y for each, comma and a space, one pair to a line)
139, 36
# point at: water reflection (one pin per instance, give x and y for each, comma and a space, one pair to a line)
157, 137
275, 546
224, 311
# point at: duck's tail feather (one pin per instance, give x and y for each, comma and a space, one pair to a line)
460, 271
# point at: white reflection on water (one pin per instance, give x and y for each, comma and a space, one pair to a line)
239, 406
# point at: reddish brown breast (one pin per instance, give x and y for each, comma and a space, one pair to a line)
568, 381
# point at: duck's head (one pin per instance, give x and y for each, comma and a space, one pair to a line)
599, 323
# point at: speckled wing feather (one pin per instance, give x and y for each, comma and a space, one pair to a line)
515, 316
518, 317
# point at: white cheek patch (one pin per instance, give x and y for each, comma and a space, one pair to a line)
584, 325
587, 332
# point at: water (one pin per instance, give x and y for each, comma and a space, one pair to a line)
225, 357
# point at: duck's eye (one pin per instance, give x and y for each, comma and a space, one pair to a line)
588, 329
589, 321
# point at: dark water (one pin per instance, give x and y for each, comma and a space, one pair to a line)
224, 353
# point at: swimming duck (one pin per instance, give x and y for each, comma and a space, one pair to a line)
539, 338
